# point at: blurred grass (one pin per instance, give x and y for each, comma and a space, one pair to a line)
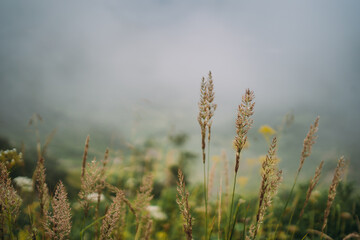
128, 165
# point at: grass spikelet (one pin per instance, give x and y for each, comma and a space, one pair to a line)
148, 230
141, 204
43, 191
112, 216
211, 106
207, 108
313, 182
89, 185
143, 196
100, 187
243, 123
309, 142
9, 202
58, 223
202, 117
182, 199
271, 179
85, 156
332, 191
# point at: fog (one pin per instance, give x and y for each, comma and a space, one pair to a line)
112, 65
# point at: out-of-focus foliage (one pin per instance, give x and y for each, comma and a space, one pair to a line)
11, 158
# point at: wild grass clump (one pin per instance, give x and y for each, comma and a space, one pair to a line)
138, 194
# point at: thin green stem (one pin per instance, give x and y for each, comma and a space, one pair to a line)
231, 206
234, 220
89, 226
207, 175
286, 204
244, 230
290, 220
206, 210
208, 166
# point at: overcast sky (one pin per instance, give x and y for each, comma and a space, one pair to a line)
103, 61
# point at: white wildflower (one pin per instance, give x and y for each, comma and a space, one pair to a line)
25, 183
156, 213
93, 197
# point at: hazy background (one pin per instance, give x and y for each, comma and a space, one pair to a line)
131, 70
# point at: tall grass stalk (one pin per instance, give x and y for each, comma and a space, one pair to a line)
309, 141
231, 208
243, 124
271, 179
206, 111
332, 191
206, 203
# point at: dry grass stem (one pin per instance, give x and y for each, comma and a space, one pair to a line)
141, 204
207, 108
313, 182
226, 171
100, 187
112, 216
271, 179
211, 106
48, 141
182, 199
85, 156
202, 117
58, 223
309, 142
43, 191
323, 235
219, 209
89, 185
148, 230
211, 179
243, 123
332, 191
9, 201
352, 236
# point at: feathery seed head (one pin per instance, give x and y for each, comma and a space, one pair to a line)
112, 216
309, 141
243, 123
85, 156
313, 182
207, 108
332, 191
182, 199
271, 179
10, 201
40, 182
90, 183
58, 222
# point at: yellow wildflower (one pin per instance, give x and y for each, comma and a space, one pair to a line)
161, 236
266, 131
242, 181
